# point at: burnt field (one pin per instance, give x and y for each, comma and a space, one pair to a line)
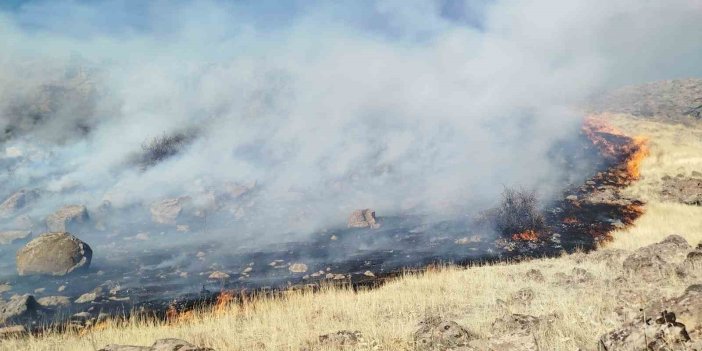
167, 279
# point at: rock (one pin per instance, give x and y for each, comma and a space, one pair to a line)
17, 201
167, 211
435, 333
535, 275
13, 331
369, 274
5, 287
54, 254
672, 248
87, 297
653, 262
67, 218
343, 338
572, 198
692, 265
683, 190
19, 307
363, 219
298, 268
159, 345
217, 275
51, 301
647, 266
10, 236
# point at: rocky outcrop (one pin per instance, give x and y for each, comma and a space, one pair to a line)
67, 218
54, 254
159, 345
363, 219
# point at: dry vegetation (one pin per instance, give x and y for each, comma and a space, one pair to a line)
473, 297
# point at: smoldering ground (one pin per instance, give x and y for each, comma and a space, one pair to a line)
427, 107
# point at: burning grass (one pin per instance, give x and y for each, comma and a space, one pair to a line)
473, 297
614, 143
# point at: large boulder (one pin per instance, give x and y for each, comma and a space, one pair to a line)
159, 345
55, 254
17, 201
363, 219
67, 218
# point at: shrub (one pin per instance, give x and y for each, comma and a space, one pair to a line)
518, 213
161, 148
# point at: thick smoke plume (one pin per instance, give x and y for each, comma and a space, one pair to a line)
427, 106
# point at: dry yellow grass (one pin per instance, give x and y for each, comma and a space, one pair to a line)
387, 316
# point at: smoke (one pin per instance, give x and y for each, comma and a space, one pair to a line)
429, 106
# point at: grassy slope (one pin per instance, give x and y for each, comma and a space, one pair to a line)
473, 297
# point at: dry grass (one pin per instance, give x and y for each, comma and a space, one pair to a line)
387, 316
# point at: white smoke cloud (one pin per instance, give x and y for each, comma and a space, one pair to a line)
327, 107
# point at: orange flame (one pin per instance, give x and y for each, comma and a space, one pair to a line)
224, 299
633, 162
528, 235
570, 220
633, 150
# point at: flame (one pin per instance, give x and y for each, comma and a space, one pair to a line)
224, 299
617, 145
570, 220
633, 162
528, 235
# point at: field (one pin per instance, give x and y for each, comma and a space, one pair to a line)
387, 317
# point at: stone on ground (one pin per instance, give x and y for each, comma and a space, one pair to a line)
363, 219
67, 218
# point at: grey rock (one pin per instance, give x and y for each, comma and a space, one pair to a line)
167, 211
19, 307
54, 254
16, 202
10, 236
363, 219
54, 301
